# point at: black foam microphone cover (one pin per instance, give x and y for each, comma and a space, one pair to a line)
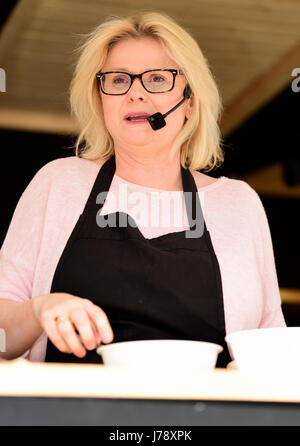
157, 121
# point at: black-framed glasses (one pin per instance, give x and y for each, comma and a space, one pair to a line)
154, 81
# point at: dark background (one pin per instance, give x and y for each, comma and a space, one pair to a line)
271, 135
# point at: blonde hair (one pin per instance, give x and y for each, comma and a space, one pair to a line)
199, 139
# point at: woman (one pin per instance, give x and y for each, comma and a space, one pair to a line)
66, 269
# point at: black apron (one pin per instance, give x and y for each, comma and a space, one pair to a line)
167, 287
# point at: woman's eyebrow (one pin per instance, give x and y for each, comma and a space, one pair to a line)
127, 69
119, 69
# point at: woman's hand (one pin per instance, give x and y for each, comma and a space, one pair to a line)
59, 314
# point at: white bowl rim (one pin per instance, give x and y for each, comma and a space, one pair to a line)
263, 329
216, 347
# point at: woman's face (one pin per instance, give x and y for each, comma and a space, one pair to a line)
136, 56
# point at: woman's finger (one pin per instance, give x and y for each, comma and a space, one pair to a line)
55, 337
67, 331
101, 322
83, 325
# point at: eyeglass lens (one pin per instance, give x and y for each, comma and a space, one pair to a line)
154, 81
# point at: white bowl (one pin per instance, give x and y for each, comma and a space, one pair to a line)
271, 350
168, 354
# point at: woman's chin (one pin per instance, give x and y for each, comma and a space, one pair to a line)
138, 140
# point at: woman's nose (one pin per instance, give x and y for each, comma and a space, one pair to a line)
137, 90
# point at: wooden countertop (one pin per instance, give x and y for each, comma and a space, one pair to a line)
24, 378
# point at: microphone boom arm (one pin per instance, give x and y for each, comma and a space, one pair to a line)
157, 120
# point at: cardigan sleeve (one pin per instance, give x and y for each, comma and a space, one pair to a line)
272, 315
19, 251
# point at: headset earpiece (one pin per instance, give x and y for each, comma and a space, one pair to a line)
187, 92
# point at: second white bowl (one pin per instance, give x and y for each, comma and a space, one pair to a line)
271, 350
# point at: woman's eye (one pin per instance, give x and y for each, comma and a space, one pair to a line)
119, 80
157, 79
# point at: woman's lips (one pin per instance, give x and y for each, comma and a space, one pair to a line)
137, 117
140, 121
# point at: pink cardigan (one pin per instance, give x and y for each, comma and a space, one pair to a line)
52, 202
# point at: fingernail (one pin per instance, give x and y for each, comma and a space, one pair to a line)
108, 337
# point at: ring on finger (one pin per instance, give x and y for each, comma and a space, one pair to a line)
60, 318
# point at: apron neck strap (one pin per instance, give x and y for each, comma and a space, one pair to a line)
191, 196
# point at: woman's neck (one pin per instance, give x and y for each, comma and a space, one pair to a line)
158, 172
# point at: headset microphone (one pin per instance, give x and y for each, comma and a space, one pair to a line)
157, 120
